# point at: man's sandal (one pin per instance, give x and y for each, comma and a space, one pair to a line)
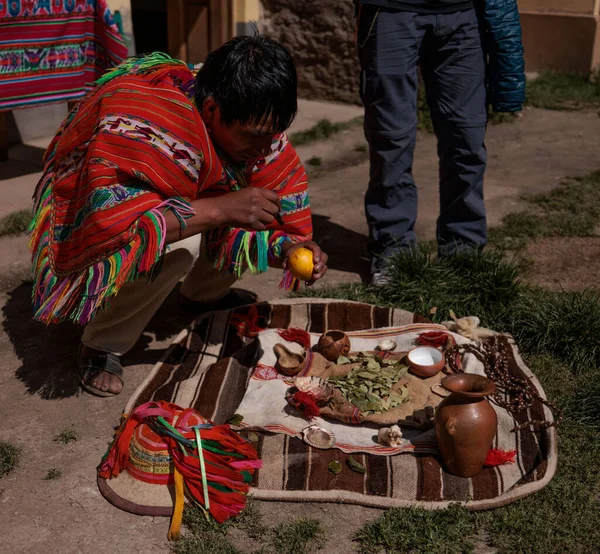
92, 365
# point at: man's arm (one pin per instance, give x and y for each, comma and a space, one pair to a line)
250, 208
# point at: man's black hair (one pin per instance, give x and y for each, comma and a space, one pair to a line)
251, 78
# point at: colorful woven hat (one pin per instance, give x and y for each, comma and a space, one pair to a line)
163, 454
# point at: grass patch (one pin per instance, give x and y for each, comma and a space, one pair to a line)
555, 90
570, 210
15, 223
361, 147
250, 521
480, 283
315, 161
53, 474
204, 536
323, 130
418, 531
67, 436
10, 456
298, 537
563, 517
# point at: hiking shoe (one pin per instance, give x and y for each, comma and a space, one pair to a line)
381, 278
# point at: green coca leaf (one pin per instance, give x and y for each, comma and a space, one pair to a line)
335, 467
235, 420
356, 466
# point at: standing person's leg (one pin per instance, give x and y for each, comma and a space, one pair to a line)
117, 327
388, 44
454, 73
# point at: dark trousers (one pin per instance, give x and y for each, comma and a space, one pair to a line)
448, 48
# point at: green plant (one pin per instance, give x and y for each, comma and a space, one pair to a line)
66, 436
315, 161
557, 90
52, 474
570, 210
10, 456
298, 537
322, 130
15, 223
450, 531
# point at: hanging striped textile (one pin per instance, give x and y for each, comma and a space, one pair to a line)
54, 50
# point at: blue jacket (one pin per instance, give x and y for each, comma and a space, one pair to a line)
506, 65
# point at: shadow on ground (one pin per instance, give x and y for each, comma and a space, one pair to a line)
347, 249
22, 160
48, 354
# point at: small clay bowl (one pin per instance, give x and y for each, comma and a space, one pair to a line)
333, 344
419, 360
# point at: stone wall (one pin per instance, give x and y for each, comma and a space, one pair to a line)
320, 36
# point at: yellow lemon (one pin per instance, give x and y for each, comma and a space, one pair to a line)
301, 264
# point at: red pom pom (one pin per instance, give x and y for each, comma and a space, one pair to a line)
299, 336
306, 402
497, 457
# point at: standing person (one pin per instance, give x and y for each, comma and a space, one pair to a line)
470, 54
154, 157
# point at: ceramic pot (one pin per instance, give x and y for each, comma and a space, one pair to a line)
465, 423
425, 361
333, 344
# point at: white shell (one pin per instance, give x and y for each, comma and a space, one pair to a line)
318, 437
387, 345
308, 384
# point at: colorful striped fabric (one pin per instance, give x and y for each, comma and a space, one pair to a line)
54, 50
134, 148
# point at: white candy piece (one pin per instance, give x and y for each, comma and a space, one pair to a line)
387, 345
390, 436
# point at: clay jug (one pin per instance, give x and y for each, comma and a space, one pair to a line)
465, 423
333, 344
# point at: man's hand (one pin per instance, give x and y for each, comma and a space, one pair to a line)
249, 208
319, 257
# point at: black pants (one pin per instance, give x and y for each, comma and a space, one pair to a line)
449, 50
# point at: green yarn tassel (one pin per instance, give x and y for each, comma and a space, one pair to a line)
138, 64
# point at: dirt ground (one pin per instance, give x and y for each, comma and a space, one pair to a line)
39, 394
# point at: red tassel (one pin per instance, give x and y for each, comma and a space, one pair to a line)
299, 336
306, 402
497, 457
433, 338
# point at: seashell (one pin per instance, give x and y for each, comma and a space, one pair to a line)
387, 345
390, 436
319, 388
318, 437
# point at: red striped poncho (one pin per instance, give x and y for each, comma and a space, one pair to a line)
133, 148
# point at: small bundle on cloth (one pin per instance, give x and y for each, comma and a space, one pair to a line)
163, 444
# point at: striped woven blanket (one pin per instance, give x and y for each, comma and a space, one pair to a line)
209, 368
54, 50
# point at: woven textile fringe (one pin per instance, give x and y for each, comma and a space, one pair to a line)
230, 460
139, 64
79, 296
